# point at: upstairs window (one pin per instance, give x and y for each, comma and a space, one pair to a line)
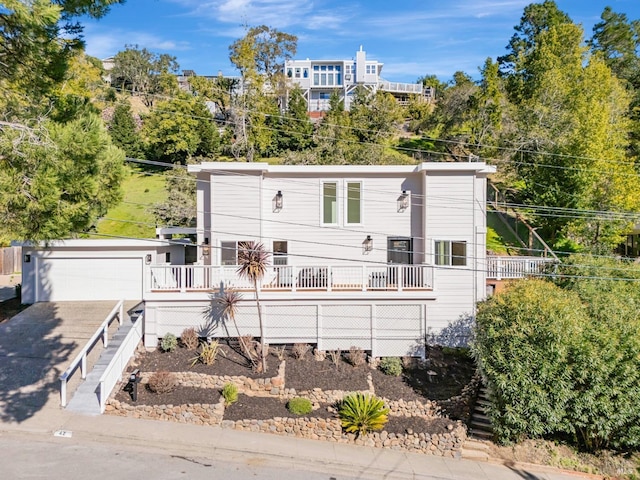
450, 253
354, 202
229, 252
280, 251
330, 203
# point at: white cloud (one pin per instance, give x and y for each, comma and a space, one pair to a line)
102, 43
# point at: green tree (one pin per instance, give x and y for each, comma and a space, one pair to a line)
56, 179
146, 73
375, 117
295, 127
179, 208
124, 132
259, 56
180, 128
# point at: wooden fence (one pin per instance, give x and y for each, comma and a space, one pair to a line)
10, 260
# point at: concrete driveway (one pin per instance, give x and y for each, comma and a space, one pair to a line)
36, 347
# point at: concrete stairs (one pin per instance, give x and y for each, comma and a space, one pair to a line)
86, 399
480, 423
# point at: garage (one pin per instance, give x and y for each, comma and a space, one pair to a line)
60, 279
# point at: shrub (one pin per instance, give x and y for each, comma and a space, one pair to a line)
229, 393
361, 414
169, 342
162, 382
356, 356
300, 406
190, 338
208, 353
391, 366
300, 350
280, 352
335, 356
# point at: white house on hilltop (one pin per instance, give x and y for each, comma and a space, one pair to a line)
380, 257
319, 78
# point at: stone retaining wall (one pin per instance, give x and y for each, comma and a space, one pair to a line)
445, 444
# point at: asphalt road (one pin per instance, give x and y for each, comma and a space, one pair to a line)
22, 457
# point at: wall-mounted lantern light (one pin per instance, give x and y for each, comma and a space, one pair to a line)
27, 258
278, 201
403, 201
147, 259
206, 251
368, 244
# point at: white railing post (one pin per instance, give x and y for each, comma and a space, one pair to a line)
294, 278
400, 274
63, 392
83, 366
329, 278
105, 335
121, 314
364, 278
182, 279
499, 269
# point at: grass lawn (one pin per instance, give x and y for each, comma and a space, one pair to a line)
131, 218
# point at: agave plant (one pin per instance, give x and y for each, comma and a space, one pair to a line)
361, 414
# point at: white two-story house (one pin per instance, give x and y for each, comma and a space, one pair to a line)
319, 78
379, 257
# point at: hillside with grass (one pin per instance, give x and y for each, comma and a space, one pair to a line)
132, 217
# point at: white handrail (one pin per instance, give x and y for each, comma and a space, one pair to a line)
81, 358
113, 372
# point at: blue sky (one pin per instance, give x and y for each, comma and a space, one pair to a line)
411, 37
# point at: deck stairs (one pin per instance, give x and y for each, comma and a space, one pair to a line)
85, 399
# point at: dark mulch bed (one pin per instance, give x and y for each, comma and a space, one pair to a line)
265, 408
308, 374
232, 362
179, 396
401, 425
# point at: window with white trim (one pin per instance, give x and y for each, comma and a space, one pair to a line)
447, 252
354, 202
329, 203
229, 252
280, 252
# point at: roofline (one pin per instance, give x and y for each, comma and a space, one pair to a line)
262, 167
99, 243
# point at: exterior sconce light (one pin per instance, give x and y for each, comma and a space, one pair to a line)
278, 201
368, 244
147, 259
206, 251
27, 258
403, 201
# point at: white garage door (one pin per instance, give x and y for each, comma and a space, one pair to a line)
61, 279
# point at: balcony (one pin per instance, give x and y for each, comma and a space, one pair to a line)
506, 267
324, 278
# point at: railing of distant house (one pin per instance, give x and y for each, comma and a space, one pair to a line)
113, 373
416, 88
328, 278
506, 267
81, 359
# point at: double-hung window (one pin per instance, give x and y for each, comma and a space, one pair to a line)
329, 203
448, 252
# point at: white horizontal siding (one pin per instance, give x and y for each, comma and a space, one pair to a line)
235, 208
450, 206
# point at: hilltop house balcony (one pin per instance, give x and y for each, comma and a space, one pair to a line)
510, 267
279, 278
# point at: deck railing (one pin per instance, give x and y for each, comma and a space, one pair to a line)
113, 372
183, 278
81, 358
397, 87
505, 267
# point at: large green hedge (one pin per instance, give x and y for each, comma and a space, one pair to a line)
564, 357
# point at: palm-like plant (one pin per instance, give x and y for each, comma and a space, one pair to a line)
253, 260
229, 301
360, 413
